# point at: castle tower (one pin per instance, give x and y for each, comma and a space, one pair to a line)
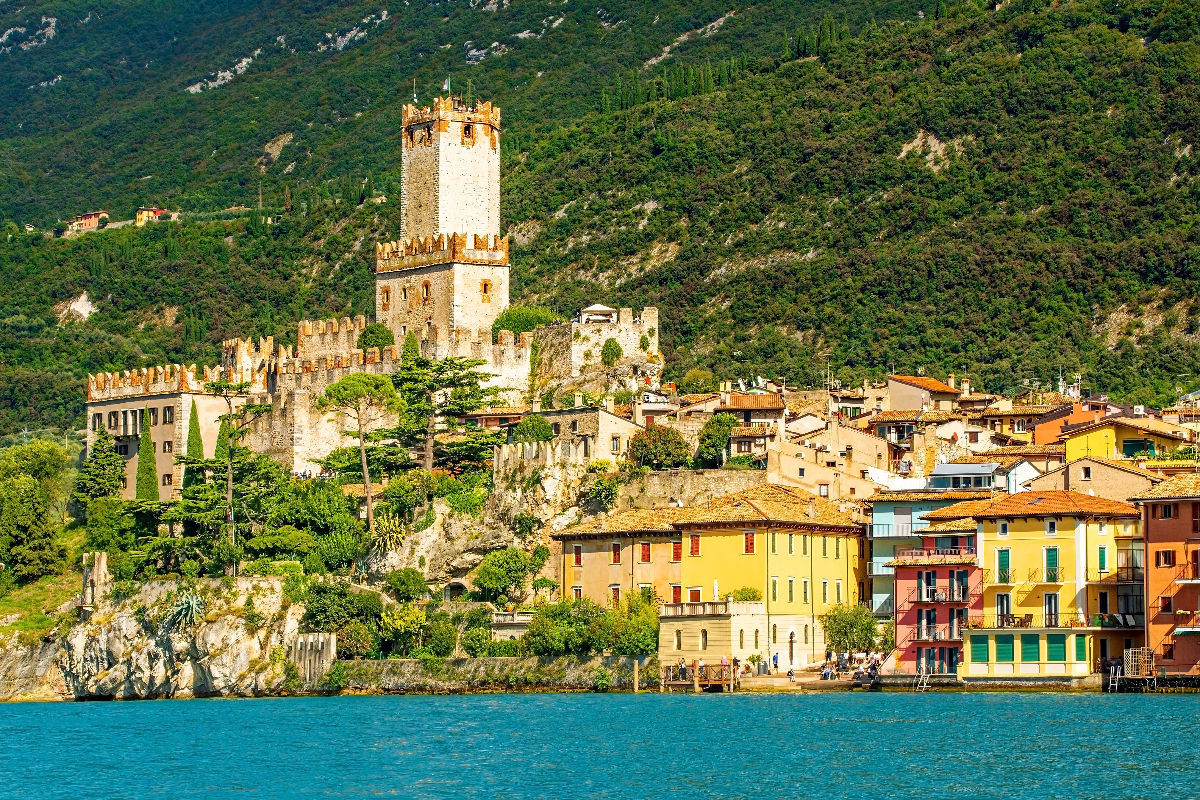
446, 278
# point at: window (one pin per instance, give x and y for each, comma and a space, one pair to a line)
804, 590
973, 437
676, 593
1086, 473
774, 634
1003, 529
743, 446
1102, 559
791, 590
1168, 652
1102, 603
1031, 647
167, 479
741, 639
694, 594
773, 542
426, 290
97, 420
644, 555
1081, 647
703, 639
774, 589
615, 445
404, 294
577, 592
485, 291
804, 543
677, 550
1052, 527
694, 544
824, 591
555, 429
123, 482
616, 552
748, 543
756, 638
823, 490
168, 415
837, 547
385, 298
123, 449
153, 416
1164, 558
574, 426
1166, 604
824, 547
1166, 511
113, 418
615, 593
1103, 528
168, 446
801, 472
838, 591
577, 555
1018, 426
791, 543
678, 640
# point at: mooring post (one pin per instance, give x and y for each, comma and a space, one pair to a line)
636, 672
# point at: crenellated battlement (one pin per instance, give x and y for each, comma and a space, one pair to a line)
441, 249
169, 379
446, 109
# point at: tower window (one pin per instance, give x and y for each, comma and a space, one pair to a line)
385, 298
404, 293
485, 291
468, 133
426, 290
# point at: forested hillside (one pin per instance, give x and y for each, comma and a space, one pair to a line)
1003, 192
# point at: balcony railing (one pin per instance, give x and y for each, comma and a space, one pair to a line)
711, 609
946, 593
936, 633
900, 530
1040, 619
935, 555
998, 577
878, 570
1187, 622
1046, 575
1188, 573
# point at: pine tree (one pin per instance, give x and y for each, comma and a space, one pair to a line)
222, 452
195, 449
147, 467
102, 470
411, 351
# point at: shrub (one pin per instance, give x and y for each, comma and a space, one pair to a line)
658, 448
526, 525
502, 571
440, 637
335, 678
601, 679
747, 594
375, 335
521, 319
313, 565
602, 494
475, 641
714, 441
610, 352
354, 639
533, 428
644, 342
509, 648
600, 465
407, 584
741, 462
470, 503
331, 606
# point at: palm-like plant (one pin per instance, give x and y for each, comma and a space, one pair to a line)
389, 532
186, 611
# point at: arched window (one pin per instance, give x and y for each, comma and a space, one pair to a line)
485, 291
426, 290
703, 639
774, 634
742, 639
678, 640
756, 638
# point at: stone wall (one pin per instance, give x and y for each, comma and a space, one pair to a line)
686, 487
313, 654
456, 675
569, 353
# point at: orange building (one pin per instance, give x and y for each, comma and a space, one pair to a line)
628, 551
1171, 521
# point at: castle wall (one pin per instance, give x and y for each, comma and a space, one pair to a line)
480, 293
569, 350
415, 300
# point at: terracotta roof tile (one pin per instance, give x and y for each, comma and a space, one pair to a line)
770, 503
967, 508
1030, 450
747, 402
960, 525
752, 430
928, 384
1142, 424
1005, 462
638, 520
919, 495
912, 415
498, 411
1056, 504
1177, 486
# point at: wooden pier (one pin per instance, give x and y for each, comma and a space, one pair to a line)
697, 677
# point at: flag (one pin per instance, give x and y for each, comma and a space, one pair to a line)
446, 84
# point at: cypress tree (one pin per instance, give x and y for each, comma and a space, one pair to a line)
222, 451
102, 470
412, 349
195, 449
147, 469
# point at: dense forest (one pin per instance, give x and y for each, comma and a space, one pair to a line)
1006, 192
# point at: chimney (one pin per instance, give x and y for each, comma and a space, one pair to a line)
578, 400
638, 417
610, 405
536, 406
966, 386
812, 509
950, 380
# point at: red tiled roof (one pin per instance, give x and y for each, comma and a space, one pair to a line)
746, 402
928, 384
769, 502
1056, 504
752, 430
1176, 487
918, 495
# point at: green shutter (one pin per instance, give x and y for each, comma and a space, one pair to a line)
1003, 566
1102, 559
1080, 647
1056, 647
979, 648
1051, 558
1004, 647
1031, 647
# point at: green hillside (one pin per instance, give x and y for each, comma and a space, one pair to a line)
1005, 193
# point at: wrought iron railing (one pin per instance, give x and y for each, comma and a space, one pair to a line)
1046, 575
946, 593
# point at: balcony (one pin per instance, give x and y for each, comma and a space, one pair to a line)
900, 530
1039, 619
876, 569
721, 608
934, 555
1188, 573
1131, 574
936, 633
947, 593
1042, 575
998, 577
1187, 623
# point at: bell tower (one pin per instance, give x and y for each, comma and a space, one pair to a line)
446, 278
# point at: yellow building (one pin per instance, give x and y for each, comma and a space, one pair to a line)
1051, 601
803, 554
1124, 437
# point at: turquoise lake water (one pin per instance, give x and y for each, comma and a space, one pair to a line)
851, 745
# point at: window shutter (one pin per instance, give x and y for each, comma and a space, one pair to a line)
1031, 647
1080, 647
1004, 647
979, 648
1056, 647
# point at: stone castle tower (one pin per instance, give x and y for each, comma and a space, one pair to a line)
446, 278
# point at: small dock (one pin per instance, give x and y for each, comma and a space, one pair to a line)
697, 677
